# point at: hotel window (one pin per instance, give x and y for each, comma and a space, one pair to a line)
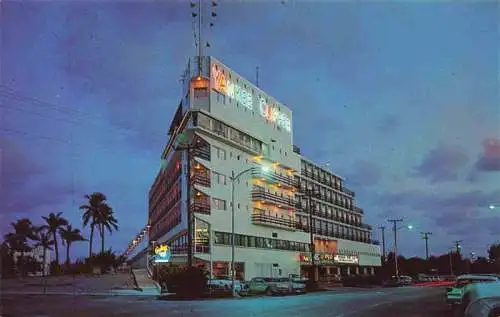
219, 203
219, 178
200, 93
219, 153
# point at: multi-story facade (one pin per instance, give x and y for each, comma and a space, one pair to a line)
234, 128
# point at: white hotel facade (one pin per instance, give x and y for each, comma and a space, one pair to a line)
239, 128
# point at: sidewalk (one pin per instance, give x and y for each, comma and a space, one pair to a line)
121, 292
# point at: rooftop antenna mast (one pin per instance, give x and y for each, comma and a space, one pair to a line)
198, 28
257, 76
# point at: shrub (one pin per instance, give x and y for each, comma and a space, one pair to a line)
189, 282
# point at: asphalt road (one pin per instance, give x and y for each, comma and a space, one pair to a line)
408, 302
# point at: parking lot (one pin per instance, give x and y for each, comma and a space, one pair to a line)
407, 301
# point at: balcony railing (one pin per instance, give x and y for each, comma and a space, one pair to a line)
358, 210
271, 221
348, 191
202, 152
338, 235
202, 179
366, 226
258, 194
288, 181
200, 206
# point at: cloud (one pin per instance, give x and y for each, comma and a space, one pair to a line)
388, 124
364, 174
27, 183
489, 160
448, 211
443, 163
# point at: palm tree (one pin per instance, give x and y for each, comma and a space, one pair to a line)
68, 236
44, 240
54, 223
105, 220
18, 240
91, 210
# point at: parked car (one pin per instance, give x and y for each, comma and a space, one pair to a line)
455, 293
405, 280
223, 283
298, 286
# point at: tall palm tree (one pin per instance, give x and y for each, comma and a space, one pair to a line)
68, 236
91, 210
54, 222
44, 240
18, 240
105, 220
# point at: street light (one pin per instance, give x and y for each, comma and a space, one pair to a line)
233, 178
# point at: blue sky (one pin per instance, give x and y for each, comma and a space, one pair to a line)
401, 98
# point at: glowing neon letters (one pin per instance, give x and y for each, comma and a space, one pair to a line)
245, 97
232, 89
272, 113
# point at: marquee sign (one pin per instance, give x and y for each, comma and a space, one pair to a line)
162, 254
245, 97
327, 258
347, 259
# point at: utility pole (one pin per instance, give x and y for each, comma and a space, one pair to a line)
309, 193
425, 236
383, 243
395, 229
457, 246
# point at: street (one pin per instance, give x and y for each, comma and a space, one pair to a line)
407, 301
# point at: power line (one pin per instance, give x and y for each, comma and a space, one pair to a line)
14, 95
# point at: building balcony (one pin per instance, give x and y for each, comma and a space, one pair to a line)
202, 150
274, 178
348, 191
200, 175
269, 198
358, 210
366, 226
200, 204
268, 220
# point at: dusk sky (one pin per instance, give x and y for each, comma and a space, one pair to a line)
401, 99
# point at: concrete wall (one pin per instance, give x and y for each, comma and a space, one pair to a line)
259, 262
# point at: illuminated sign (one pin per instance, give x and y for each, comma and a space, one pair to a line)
162, 254
348, 259
245, 97
232, 89
272, 113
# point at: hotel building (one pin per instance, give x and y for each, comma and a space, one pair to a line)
233, 126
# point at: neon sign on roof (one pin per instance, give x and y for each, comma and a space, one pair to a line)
232, 89
245, 97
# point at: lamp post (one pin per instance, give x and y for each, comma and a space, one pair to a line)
234, 177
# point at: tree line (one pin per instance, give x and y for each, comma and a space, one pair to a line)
55, 230
452, 263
